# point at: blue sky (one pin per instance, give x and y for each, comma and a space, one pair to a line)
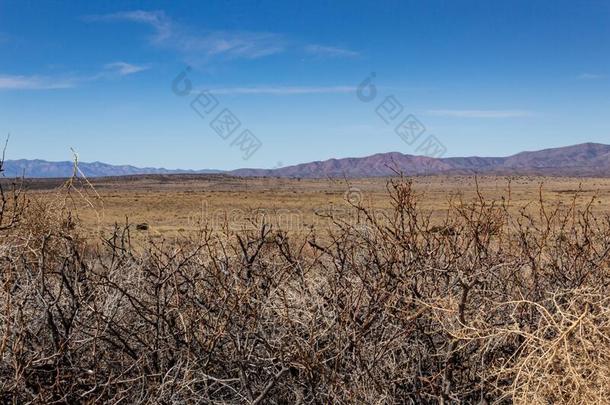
486, 78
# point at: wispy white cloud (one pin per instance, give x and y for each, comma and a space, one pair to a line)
590, 76
206, 44
249, 45
481, 113
330, 51
232, 44
40, 82
156, 19
18, 82
124, 68
284, 90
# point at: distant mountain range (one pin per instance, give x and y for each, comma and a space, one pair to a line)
588, 159
44, 169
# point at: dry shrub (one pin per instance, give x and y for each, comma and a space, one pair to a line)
565, 358
489, 306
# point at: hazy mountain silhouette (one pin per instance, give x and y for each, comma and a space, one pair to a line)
45, 169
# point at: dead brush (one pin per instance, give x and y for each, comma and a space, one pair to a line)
565, 358
491, 305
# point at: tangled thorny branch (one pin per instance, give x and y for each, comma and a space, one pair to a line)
487, 306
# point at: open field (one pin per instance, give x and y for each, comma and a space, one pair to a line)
175, 204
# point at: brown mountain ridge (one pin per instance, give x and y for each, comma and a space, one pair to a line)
588, 159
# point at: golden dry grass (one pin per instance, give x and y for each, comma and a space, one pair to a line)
174, 205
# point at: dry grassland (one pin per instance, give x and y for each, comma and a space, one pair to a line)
173, 205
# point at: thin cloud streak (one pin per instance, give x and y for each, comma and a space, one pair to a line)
330, 51
19, 82
590, 76
124, 68
481, 113
283, 90
37, 82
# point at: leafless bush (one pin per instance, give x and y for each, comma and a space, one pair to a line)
488, 306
